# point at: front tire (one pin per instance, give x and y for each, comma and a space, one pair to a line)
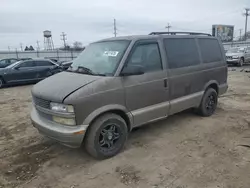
208, 103
106, 136
1, 83
241, 63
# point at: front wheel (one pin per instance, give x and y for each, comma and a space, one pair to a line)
1, 82
241, 62
106, 136
208, 103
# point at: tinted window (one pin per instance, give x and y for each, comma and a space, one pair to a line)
27, 64
181, 52
44, 63
210, 50
147, 56
13, 60
3, 61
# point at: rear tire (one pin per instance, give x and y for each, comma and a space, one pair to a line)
1, 83
106, 136
241, 63
208, 103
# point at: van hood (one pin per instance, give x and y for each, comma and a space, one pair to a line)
57, 87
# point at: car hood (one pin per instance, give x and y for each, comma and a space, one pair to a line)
57, 87
234, 54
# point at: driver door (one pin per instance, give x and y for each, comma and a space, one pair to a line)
25, 71
147, 96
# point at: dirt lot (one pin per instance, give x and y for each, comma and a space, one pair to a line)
184, 151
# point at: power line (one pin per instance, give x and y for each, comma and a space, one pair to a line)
246, 14
115, 29
168, 27
63, 35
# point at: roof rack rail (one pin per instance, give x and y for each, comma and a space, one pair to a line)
176, 33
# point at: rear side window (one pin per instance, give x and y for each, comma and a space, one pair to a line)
210, 50
44, 63
181, 52
27, 64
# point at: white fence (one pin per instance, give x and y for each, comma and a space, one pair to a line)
55, 54
228, 45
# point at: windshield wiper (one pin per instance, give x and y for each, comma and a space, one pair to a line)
84, 70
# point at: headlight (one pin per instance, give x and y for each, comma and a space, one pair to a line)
61, 107
235, 57
64, 121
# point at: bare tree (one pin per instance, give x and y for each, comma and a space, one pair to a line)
77, 45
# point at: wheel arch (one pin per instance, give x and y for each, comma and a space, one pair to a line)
212, 84
116, 109
1, 77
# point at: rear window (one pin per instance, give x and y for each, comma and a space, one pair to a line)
181, 52
44, 63
210, 50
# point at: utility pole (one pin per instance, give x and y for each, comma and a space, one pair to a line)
168, 27
63, 35
38, 47
21, 46
240, 34
246, 14
115, 29
9, 48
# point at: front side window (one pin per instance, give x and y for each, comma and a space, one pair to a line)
181, 52
210, 50
101, 57
147, 56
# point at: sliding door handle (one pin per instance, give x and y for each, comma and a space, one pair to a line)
165, 83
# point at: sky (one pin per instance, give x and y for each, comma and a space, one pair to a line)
23, 21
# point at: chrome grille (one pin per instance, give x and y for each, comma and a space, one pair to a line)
41, 102
229, 57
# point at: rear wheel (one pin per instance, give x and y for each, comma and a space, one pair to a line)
1, 82
106, 136
241, 62
209, 103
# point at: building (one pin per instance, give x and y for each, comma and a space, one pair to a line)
224, 32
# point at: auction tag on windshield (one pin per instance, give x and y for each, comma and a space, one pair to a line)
111, 53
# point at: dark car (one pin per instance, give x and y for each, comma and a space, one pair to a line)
6, 62
28, 71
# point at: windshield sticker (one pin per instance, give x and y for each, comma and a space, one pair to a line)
111, 53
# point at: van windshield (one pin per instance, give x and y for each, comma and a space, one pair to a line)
101, 58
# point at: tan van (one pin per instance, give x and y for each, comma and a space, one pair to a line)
120, 83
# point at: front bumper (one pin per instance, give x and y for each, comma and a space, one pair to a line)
71, 136
233, 61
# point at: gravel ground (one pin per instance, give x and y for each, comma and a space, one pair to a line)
183, 151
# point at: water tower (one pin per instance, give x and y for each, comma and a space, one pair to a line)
48, 42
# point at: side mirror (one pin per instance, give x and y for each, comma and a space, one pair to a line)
132, 70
